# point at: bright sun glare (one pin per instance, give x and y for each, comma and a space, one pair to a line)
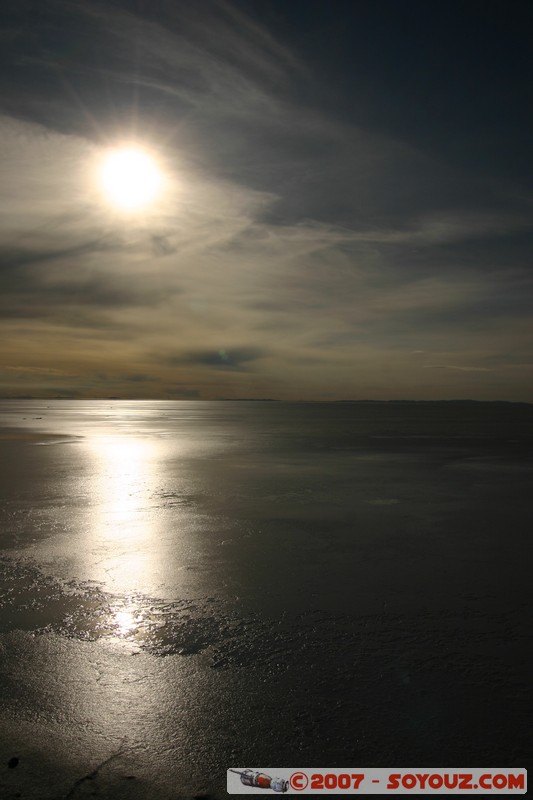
130, 178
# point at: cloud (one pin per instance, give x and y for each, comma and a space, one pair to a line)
329, 250
234, 359
138, 377
31, 371
60, 295
460, 369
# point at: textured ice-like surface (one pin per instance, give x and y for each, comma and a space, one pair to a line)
189, 586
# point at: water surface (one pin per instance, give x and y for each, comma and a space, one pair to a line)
187, 586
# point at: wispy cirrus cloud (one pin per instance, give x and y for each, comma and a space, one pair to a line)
330, 250
460, 369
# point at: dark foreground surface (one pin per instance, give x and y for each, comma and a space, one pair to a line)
190, 586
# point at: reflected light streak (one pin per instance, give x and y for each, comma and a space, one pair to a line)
125, 523
127, 621
121, 545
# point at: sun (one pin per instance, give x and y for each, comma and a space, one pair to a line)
130, 178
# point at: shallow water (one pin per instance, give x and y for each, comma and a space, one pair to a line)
188, 586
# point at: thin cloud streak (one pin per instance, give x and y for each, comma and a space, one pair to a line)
461, 369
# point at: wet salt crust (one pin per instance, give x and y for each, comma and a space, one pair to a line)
190, 586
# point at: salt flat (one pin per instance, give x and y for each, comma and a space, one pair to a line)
188, 586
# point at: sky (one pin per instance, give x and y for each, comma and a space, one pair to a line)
345, 213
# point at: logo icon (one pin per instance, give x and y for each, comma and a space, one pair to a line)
261, 781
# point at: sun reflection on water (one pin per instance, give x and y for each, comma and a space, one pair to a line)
124, 524
139, 524
126, 621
